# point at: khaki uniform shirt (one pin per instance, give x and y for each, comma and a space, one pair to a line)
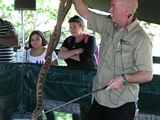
122, 51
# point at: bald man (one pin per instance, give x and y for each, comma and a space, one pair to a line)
125, 59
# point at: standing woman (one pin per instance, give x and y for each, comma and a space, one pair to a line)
37, 51
78, 49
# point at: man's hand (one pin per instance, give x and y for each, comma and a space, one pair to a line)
81, 8
9, 34
115, 83
134, 78
10, 39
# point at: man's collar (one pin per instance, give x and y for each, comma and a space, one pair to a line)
131, 26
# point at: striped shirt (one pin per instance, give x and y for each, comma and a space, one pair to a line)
6, 53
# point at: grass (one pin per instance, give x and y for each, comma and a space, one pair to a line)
63, 116
60, 116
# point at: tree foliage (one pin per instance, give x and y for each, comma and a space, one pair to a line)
43, 18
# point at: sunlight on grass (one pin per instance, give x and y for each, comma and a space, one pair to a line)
63, 116
60, 116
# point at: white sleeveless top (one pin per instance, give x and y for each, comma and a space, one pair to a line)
39, 59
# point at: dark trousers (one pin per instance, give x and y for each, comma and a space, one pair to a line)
50, 115
124, 112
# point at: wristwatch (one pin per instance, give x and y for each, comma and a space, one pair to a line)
125, 81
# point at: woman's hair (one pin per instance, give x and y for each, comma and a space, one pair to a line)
77, 19
44, 41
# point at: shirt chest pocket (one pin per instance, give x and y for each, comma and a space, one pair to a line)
124, 56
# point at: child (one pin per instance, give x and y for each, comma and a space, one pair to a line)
37, 51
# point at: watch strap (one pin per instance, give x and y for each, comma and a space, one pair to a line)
125, 81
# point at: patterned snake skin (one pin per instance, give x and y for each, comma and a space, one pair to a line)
62, 12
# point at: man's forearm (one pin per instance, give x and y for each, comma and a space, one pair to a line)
139, 77
134, 78
81, 8
10, 42
10, 39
